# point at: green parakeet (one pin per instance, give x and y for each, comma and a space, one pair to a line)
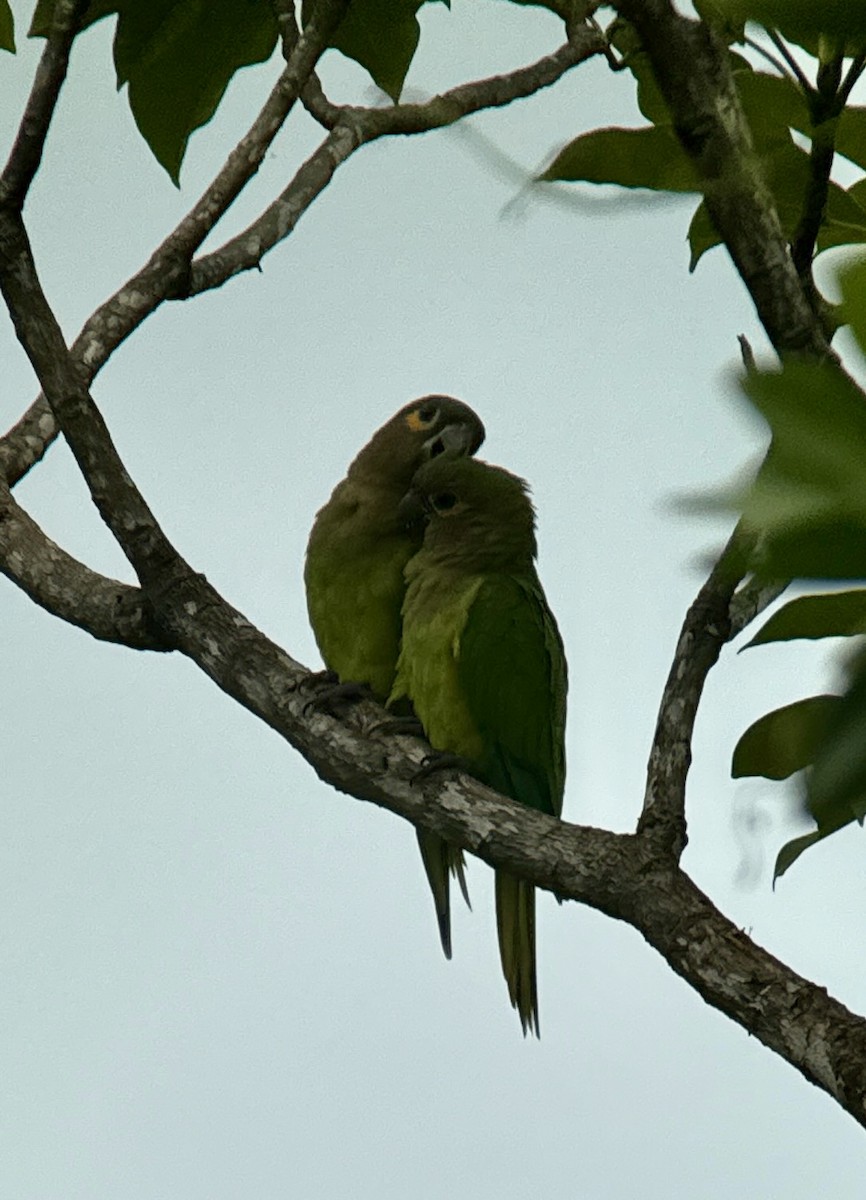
358, 550
483, 664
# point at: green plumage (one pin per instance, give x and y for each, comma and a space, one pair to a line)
483, 665
354, 574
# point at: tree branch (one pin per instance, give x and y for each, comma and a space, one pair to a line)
105, 608
617, 874
26, 153
168, 273
119, 502
355, 127
705, 630
690, 63
165, 274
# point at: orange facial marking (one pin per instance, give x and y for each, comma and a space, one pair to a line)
414, 421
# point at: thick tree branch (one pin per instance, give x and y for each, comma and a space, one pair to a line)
617, 874
168, 273
690, 64
105, 608
26, 153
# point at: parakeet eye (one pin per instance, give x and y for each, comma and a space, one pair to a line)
428, 413
443, 501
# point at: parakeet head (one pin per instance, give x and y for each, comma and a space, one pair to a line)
426, 429
474, 512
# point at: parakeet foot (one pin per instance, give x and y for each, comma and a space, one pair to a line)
406, 726
440, 760
330, 694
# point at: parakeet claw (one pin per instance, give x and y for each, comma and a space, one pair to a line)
405, 726
330, 694
439, 760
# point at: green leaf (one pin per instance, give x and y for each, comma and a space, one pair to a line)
731, 29
851, 135
786, 170
627, 42
792, 850
650, 157
803, 21
786, 740
703, 235
852, 281
381, 36
808, 501
773, 104
838, 777
178, 57
836, 783
43, 15
7, 27
835, 614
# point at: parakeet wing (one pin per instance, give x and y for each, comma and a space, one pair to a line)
512, 671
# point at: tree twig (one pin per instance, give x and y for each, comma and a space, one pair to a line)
26, 153
356, 127
782, 47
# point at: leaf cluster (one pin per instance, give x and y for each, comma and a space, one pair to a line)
807, 508
177, 57
777, 104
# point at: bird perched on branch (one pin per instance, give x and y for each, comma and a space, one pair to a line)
358, 550
483, 664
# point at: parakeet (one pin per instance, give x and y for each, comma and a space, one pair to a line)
358, 549
483, 664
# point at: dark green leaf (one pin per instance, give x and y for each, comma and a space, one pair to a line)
178, 57
808, 501
43, 15
851, 135
559, 7
787, 172
650, 157
852, 281
714, 14
626, 41
835, 614
838, 776
703, 235
792, 850
802, 21
784, 741
381, 36
7, 27
773, 104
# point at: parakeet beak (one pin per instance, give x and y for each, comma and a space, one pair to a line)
455, 440
411, 510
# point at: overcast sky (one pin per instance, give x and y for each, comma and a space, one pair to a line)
221, 979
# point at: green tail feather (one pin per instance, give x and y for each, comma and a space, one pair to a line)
515, 922
441, 860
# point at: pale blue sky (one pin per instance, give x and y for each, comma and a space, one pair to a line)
221, 979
